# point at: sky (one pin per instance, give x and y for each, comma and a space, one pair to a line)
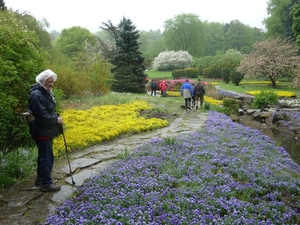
145, 15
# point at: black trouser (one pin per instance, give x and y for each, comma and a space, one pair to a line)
153, 90
45, 160
187, 103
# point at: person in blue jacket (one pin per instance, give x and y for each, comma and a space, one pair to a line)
187, 92
45, 126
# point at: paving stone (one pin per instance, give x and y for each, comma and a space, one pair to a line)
79, 163
80, 177
65, 192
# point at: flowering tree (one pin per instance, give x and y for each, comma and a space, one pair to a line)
170, 60
272, 59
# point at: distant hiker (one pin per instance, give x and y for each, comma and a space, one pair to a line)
187, 92
163, 88
153, 86
199, 93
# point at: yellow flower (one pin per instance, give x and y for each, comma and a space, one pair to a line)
279, 93
88, 127
213, 101
174, 93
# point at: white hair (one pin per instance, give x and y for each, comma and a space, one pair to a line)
43, 76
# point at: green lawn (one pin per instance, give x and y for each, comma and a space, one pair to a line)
159, 74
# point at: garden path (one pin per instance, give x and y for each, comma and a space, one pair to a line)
23, 203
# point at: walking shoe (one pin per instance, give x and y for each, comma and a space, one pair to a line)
49, 187
38, 181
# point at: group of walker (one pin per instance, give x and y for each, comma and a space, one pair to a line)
162, 86
193, 94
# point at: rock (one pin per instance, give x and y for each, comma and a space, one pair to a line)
255, 114
241, 112
265, 115
279, 115
250, 111
234, 118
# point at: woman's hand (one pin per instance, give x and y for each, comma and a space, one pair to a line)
60, 120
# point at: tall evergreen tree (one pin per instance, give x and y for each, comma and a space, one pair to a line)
129, 70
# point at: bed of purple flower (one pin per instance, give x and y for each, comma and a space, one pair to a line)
224, 174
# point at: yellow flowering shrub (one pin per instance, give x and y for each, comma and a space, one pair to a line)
213, 101
88, 127
174, 93
279, 93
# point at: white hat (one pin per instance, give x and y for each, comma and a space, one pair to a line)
43, 76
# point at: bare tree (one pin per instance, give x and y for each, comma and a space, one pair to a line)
108, 48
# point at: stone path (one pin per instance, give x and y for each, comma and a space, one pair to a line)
24, 204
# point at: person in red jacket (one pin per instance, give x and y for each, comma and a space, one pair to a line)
163, 88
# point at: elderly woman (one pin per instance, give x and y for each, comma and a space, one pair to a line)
45, 126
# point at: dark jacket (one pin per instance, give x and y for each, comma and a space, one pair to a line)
199, 90
42, 105
153, 84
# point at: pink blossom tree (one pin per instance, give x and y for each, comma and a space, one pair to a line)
272, 59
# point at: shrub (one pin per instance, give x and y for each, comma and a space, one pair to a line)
211, 91
265, 97
192, 72
207, 72
231, 106
20, 61
206, 106
225, 73
211, 72
236, 77
170, 60
178, 73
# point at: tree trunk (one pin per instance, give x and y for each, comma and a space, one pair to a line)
273, 83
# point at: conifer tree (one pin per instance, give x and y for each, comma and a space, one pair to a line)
129, 69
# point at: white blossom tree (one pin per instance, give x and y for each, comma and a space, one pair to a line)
272, 59
170, 60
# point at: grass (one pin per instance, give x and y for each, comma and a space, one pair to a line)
159, 74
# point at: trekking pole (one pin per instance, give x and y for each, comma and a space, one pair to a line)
62, 131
